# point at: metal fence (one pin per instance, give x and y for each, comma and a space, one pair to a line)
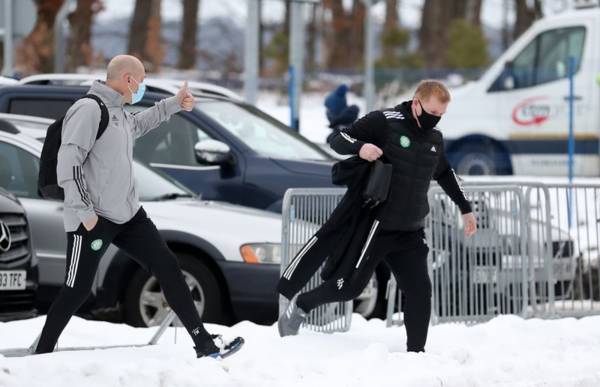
570, 215
535, 253
304, 211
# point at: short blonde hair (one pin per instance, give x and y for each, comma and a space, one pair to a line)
429, 87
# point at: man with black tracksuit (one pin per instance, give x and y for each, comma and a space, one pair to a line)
415, 149
101, 203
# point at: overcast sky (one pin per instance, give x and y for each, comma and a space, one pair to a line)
410, 12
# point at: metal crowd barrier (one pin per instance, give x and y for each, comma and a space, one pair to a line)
569, 285
474, 279
304, 211
536, 253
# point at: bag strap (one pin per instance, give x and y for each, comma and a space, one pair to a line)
103, 114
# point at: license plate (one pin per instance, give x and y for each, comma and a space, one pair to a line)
485, 275
563, 269
13, 280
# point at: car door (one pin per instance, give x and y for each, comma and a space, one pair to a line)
19, 172
170, 148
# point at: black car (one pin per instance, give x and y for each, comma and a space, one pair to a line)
18, 265
224, 149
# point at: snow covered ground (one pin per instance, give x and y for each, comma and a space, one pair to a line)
507, 351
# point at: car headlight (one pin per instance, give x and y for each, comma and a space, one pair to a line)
261, 253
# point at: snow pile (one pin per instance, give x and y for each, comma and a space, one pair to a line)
507, 351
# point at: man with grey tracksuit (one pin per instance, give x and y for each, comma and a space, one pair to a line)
101, 203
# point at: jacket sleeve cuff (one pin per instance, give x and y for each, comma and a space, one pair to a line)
86, 215
465, 207
172, 106
359, 144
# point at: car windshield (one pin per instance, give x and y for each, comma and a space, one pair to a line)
153, 185
263, 134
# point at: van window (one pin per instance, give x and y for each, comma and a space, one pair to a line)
543, 60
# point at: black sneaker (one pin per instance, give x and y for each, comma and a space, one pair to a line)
219, 348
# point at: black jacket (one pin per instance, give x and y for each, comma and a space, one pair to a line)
416, 155
349, 224
341, 238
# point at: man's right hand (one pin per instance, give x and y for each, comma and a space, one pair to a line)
89, 225
370, 152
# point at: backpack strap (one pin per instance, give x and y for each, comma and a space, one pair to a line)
103, 114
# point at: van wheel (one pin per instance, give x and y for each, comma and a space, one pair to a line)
145, 304
481, 159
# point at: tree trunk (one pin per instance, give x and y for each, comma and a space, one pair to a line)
432, 34
261, 44
437, 15
337, 35
288, 14
391, 23
356, 45
138, 29
144, 34
35, 53
187, 46
312, 36
79, 47
154, 48
473, 12
526, 15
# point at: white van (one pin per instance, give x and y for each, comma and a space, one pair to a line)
515, 118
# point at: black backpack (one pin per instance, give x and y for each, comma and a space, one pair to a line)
47, 180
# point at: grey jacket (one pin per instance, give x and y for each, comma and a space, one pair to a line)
97, 176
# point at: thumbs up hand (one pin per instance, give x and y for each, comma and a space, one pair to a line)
185, 98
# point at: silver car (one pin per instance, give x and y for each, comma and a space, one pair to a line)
229, 254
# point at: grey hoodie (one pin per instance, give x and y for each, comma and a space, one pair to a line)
97, 176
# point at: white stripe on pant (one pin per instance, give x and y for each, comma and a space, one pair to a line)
75, 253
290, 270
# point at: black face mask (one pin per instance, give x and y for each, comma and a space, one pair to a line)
428, 121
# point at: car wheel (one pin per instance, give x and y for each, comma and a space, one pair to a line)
372, 302
145, 304
480, 158
365, 303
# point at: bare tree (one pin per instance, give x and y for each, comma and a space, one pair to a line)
36, 52
312, 36
473, 11
432, 36
526, 14
79, 47
356, 46
345, 36
144, 34
391, 23
436, 20
189, 30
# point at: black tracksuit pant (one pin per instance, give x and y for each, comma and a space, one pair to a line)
141, 240
406, 255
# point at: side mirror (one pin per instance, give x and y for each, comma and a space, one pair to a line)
212, 152
509, 79
509, 82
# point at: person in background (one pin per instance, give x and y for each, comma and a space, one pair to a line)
339, 114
